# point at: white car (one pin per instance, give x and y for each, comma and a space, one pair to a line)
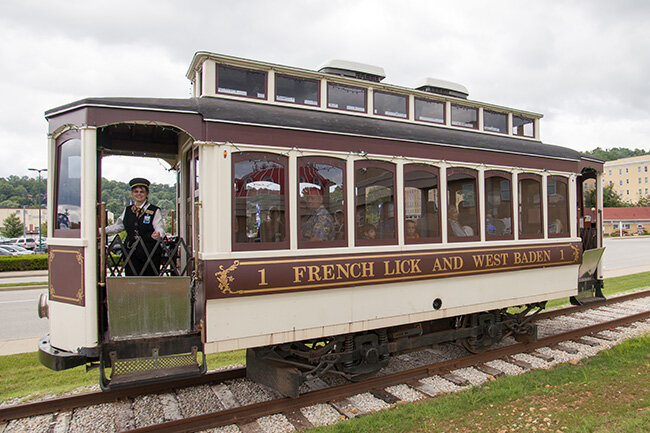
15, 250
28, 243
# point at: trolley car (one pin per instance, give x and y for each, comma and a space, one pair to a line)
325, 221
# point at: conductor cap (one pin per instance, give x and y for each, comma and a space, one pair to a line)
139, 181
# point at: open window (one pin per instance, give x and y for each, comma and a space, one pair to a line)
530, 206
321, 202
260, 202
498, 205
421, 204
374, 183
462, 205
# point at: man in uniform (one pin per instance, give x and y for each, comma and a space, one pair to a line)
144, 226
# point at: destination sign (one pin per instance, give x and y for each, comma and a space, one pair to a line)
246, 277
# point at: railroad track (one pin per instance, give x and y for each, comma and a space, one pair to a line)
335, 395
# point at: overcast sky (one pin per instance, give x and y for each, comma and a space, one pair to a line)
582, 64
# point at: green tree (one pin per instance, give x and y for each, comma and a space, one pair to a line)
12, 227
644, 201
610, 198
616, 153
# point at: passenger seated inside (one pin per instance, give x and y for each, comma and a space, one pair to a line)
454, 227
339, 225
318, 225
368, 231
411, 230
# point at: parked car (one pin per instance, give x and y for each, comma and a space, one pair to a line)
16, 250
28, 243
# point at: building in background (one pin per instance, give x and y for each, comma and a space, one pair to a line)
28, 216
629, 176
626, 220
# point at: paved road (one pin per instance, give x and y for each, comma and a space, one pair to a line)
18, 314
626, 252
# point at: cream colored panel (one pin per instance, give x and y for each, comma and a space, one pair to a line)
291, 316
67, 333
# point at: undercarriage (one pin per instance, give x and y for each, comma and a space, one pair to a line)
356, 356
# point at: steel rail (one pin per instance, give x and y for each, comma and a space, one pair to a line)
252, 412
72, 402
75, 401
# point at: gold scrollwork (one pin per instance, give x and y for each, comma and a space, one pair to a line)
576, 252
224, 279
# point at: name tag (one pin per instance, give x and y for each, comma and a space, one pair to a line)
147, 219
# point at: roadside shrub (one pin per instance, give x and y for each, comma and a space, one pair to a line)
23, 263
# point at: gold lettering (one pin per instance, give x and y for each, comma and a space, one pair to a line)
447, 263
402, 267
328, 272
517, 258
262, 277
458, 262
353, 274
313, 273
437, 266
547, 255
562, 254
387, 268
415, 268
368, 269
342, 271
298, 273
478, 260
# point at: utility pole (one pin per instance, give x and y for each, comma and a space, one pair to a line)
38, 198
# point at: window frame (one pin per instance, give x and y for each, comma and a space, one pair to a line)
318, 96
468, 107
392, 168
538, 179
523, 134
508, 176
266, 82
451, 238
60, 141
336, 162
365, 98
436, 172
567, 231
390, 116
415, 113
254, 246
495, 112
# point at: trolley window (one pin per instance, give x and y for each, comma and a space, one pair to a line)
260, 220
558, 206
464, 116
523, 126
462, 210
498, 205
421, 204
68, 192
494, 121
297, 90
374, 183
429, 111
530, 206
348, 98
241, 82
321, 210
389, 104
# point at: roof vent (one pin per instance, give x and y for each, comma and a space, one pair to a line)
360, 71
442, 87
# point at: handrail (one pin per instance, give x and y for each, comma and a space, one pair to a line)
102, 243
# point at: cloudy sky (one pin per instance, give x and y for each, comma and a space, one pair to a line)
583, 64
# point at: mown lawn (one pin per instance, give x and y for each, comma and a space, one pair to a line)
607, 393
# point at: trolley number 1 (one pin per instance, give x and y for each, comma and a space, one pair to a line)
262, 273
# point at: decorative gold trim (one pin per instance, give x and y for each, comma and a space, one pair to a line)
79, 298
224, 279
576, 252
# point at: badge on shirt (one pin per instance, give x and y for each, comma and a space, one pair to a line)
147, 219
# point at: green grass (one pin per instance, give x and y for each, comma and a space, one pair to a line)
22, 377
607, 393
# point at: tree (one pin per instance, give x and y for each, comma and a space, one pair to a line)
12, 227
610, 198
615, 153
644, 201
